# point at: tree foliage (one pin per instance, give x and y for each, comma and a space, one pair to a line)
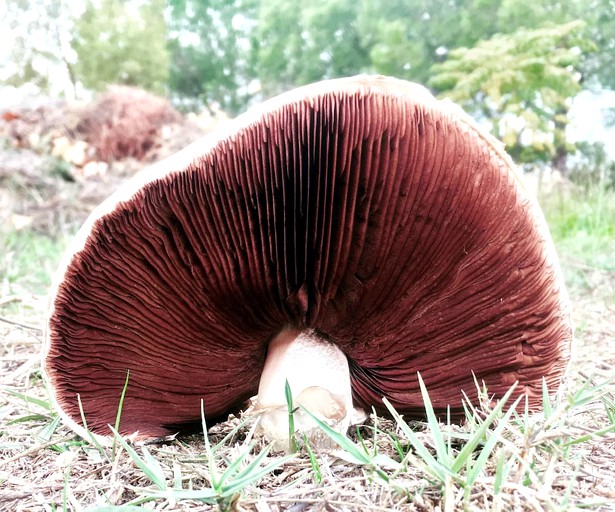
405, 37
298, 42
119, 42
521, 83
210, 49
277, 44
230, 52
515, 63
599, 66
38, 31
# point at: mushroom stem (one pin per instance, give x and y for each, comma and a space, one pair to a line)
319, 378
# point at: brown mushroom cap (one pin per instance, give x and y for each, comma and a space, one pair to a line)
361, 208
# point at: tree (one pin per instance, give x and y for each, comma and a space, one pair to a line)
39, 35
405, 37
299, 42
122, 42
522, 85
235, 52
599, 66
211, 55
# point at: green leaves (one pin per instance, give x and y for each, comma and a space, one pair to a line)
118, 45
442, 461
148, 464
522, 82
212, 45
357, 454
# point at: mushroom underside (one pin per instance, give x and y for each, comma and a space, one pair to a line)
383, 223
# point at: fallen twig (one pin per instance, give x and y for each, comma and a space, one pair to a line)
36, 449
37, 330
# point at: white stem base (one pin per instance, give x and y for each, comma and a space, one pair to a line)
319, 378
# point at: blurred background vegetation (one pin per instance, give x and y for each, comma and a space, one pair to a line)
516, 65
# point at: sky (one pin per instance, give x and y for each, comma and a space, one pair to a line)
588, 116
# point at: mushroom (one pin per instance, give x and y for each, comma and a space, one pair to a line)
358, 216
318, 372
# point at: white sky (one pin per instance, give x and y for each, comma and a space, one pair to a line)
588, 122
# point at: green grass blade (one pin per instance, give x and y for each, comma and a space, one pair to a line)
29, 418
153, 472
211, 463
91, 436
439, 471
423, 458
45, 433
588, 393
316, 471
206, 495
177, 476
443, 455
500, 474
359, 456
234, 467
120, 406
565, 501
292, 441
469, 412
466, 452
154, 466
252, 473
230, 434
588, 437
65, 490
47, 405
489, 445
364, 446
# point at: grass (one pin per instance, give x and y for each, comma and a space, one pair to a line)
582, 224
292, 440
589, 213
500, 458
29, 261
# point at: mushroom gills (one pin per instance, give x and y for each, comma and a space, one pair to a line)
318, 374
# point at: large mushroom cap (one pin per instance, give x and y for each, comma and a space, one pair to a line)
362, 209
